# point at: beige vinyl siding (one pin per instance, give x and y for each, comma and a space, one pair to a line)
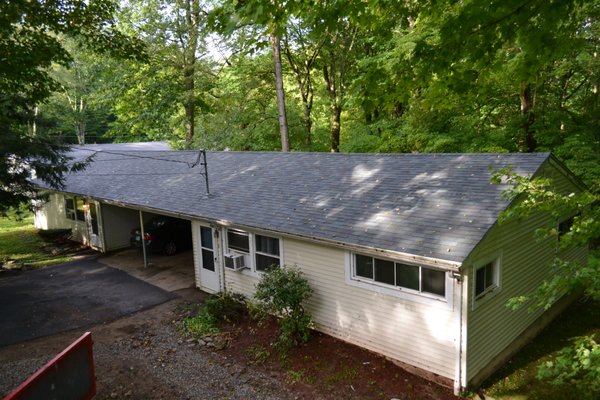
117, 223
240, 282
526, 259
404, 330
52, 216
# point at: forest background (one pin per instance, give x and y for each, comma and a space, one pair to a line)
356, 76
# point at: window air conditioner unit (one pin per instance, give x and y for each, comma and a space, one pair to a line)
235, 262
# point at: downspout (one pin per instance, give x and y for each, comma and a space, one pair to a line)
458, 364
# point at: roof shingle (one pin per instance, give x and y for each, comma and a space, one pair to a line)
432, 205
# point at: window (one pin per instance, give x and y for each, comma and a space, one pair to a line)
486, 278
403, 276
70, 208
79, 210
263, 251
564, 227
267, 252
238, 240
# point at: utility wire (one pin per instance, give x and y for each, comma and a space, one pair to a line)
131, 156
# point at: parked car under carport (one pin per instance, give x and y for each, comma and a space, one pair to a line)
164, 234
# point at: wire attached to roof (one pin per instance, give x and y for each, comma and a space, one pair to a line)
200, 160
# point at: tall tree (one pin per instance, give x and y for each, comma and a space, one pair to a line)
29, 41
161, 97
337, 61
468, 40
301, 50
272, 17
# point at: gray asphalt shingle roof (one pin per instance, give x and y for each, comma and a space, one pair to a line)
432, 205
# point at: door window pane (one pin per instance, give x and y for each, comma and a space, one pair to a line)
433, 281
384, 271
208, 261
269, 245
407, 276
238, 240
94, 218
206, 237
364, 266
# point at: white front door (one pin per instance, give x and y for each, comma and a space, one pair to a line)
207, 260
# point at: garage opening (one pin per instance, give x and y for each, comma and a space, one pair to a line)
169, 256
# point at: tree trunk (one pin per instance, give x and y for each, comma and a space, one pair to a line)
189, 104
335, 108
190, 26
80, 125
307, 123
527, 111
302, 71
334, 122
283, 126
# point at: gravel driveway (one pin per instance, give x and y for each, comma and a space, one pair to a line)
145, 356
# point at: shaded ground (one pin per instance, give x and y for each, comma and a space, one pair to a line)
517, 378
67, 296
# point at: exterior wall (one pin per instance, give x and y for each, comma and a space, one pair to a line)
118, 223
52, 216
417, 334
493, 328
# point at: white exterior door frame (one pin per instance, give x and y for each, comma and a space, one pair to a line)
206, 250
93, 220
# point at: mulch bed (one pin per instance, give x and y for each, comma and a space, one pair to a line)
326, 367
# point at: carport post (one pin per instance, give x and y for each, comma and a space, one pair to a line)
143, 241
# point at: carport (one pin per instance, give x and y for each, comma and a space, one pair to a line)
118, 223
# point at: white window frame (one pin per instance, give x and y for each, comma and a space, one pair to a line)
397, 291
70, 213
250, 257
492, 290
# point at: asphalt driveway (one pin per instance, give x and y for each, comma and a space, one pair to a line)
73, 295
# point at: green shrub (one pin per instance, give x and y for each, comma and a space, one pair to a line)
55, 234
227, 307
282, 291
577, 365
201, 325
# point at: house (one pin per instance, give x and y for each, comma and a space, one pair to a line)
404, 251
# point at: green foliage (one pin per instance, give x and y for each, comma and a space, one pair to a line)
30, 39
226, 307
576, 364
201, 324
282, 291
259, 354
21, 243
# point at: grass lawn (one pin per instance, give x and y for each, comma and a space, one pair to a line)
20, 243
517, 379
